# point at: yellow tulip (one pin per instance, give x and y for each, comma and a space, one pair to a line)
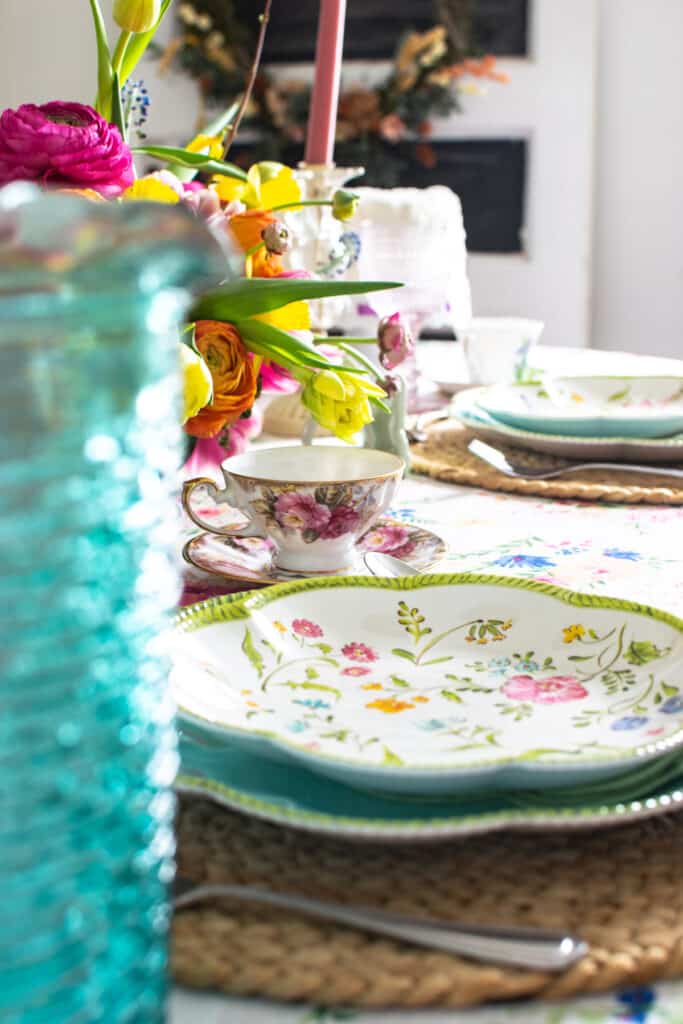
295, 316
197, 382
339, 401
136, 15
211, 145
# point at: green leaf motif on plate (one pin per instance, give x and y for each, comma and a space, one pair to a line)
389, 757
249, 648
312, 686
640, 652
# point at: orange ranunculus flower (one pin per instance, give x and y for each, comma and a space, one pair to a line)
247, 229
234, 374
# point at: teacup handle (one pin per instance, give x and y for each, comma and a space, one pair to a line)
221, 498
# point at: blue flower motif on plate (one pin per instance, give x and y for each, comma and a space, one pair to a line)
672, 705
524, 562
432, 725
298, 726
627, 556
637, 1002
499, 666
629, 722
315, 705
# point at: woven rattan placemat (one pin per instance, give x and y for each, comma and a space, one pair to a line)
444, 455
618, 888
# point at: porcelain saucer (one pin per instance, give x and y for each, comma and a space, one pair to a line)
250, 559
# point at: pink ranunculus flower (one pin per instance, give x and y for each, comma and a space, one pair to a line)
64, 144
355, 670
385, 538
342, 520
297, 511
395, 341
304, 627
551, 690
358, 652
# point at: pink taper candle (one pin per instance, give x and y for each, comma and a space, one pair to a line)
322, 119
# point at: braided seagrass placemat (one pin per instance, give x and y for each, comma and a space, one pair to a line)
444, 455
620, 889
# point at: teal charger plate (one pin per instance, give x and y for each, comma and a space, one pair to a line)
292, 796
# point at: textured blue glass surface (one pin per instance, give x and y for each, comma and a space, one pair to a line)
90, 299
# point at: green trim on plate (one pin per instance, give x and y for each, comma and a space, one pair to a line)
236, 607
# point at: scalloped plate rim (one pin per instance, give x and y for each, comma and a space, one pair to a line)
485, 772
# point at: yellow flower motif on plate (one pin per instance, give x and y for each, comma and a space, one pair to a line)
371, 686
571, 633
389, 705
280, 626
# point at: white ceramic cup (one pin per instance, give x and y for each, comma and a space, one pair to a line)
497, 348
313, 502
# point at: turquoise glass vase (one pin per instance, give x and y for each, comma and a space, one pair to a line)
91, 296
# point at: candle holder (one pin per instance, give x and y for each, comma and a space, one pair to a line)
323, 245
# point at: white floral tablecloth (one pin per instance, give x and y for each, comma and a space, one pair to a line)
661, 1004
632, 552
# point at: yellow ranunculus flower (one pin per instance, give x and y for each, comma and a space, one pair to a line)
339, 401
152, 190
197, 382
136, 15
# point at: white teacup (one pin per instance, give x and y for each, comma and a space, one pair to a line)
497, 348
314, 502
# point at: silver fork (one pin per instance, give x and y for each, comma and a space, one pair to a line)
504, 464
533, 948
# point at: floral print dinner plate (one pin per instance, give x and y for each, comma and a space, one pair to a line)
251, 558
625, 449
635, 407
434, 684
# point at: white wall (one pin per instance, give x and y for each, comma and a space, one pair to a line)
638, 258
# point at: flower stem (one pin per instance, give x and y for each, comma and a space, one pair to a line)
318, 340
360, 359
251, 79
300, 203
120, 51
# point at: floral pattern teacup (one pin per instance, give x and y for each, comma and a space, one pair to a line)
314, 502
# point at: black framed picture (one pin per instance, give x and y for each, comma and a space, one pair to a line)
373, 27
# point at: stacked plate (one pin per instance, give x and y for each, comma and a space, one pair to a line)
430, 706
616, 418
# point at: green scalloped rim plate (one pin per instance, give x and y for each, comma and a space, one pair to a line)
667, 450
434, 684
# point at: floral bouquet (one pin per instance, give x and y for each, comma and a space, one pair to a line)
247, 335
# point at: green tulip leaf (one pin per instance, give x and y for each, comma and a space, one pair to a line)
243, 298
104, 68
195, 161
117, 116
273, 343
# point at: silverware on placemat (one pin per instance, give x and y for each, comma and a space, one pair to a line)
506, 464
533, 948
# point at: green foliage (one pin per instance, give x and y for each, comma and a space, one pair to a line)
237, 300
173, 155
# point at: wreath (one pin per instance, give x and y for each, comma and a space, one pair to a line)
382, 129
